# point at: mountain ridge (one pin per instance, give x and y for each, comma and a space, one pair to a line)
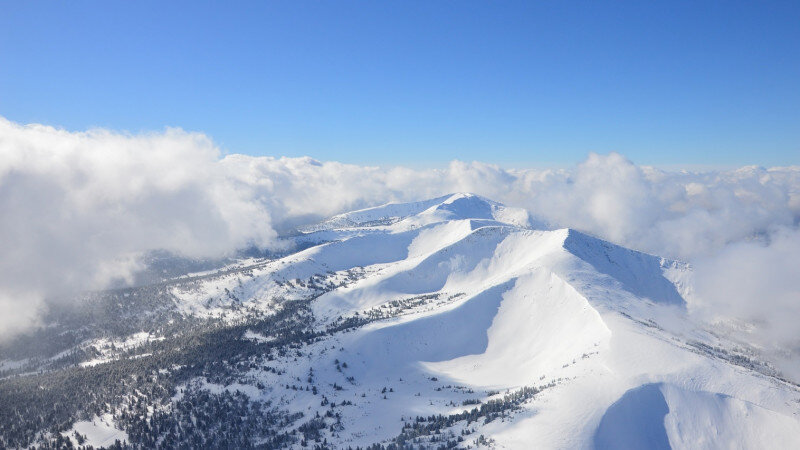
453, 323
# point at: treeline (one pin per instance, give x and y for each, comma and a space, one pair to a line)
50, 402
432, 426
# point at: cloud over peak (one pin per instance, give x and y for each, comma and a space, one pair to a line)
78, 209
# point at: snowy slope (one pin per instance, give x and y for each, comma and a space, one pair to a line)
458, 206
461, 302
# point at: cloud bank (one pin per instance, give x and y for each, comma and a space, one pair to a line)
77, 210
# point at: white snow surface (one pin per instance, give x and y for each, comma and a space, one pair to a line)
493, 305
99, 432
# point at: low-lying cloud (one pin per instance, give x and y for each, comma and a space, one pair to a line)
78, 209
752, 291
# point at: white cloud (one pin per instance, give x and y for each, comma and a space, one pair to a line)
756, 282
77, 208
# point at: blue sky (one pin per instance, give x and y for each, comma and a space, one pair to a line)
420, 83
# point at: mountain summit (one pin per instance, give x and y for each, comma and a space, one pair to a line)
450, 322
458, 206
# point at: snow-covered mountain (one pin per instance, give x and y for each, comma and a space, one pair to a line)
449, 322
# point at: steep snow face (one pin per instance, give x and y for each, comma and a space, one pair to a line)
639, 273
540, 323
460, 298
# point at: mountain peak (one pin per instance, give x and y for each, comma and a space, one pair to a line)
468, 206
454, 206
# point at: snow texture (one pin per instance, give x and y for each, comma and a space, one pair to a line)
491, 306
